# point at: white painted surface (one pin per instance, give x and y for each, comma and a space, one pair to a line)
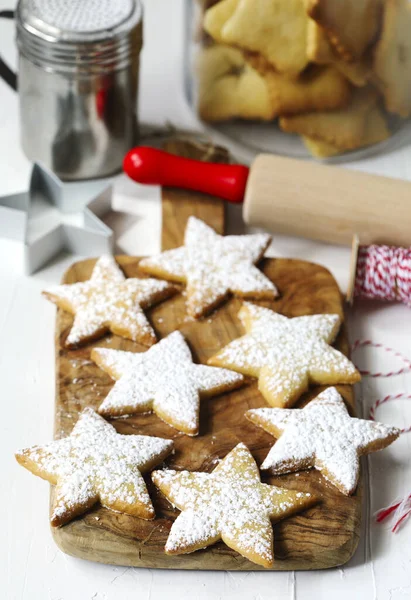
31, 567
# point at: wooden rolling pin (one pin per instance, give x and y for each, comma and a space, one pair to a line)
291, 196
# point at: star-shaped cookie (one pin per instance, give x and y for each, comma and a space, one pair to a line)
212, 266
230, 504
110, 302
321, 435
163, 379
286, 354
95, 463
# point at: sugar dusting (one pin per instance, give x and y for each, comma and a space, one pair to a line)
231, 503
214, 265
288, 353
95, 462
321, 435
109, 300
163, 379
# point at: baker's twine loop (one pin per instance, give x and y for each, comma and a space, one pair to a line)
389, 398
400, 510
406, 361
384, 272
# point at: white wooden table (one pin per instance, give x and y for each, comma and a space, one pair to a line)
31, 566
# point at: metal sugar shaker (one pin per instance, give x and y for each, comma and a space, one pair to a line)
78, 83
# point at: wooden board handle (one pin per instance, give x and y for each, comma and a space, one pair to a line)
327, 203
178, 204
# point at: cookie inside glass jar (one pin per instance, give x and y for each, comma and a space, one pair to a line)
254, 64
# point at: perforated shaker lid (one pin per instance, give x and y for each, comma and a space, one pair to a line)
78, 20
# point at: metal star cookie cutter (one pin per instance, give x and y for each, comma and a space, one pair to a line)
53, 216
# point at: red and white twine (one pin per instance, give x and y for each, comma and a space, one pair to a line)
406, 361
401, 509
388, 398
384, 272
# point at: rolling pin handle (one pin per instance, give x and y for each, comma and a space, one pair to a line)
156, 167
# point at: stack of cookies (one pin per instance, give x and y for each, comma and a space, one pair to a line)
286, 355
329, 70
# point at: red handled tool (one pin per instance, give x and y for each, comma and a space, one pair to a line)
291, 196
156, 167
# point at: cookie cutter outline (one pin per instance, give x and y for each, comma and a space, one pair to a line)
90, 198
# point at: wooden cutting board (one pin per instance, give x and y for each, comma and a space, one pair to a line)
324, 536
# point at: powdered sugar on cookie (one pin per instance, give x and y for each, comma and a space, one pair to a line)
230, 504
109, 301
213, 265
321, 435
96, 463
163, 379
286, 354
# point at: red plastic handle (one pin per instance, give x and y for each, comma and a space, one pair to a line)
156, 167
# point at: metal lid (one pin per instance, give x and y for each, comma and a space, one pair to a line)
79, 35
77, 20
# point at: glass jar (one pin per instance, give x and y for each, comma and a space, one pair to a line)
247, 104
